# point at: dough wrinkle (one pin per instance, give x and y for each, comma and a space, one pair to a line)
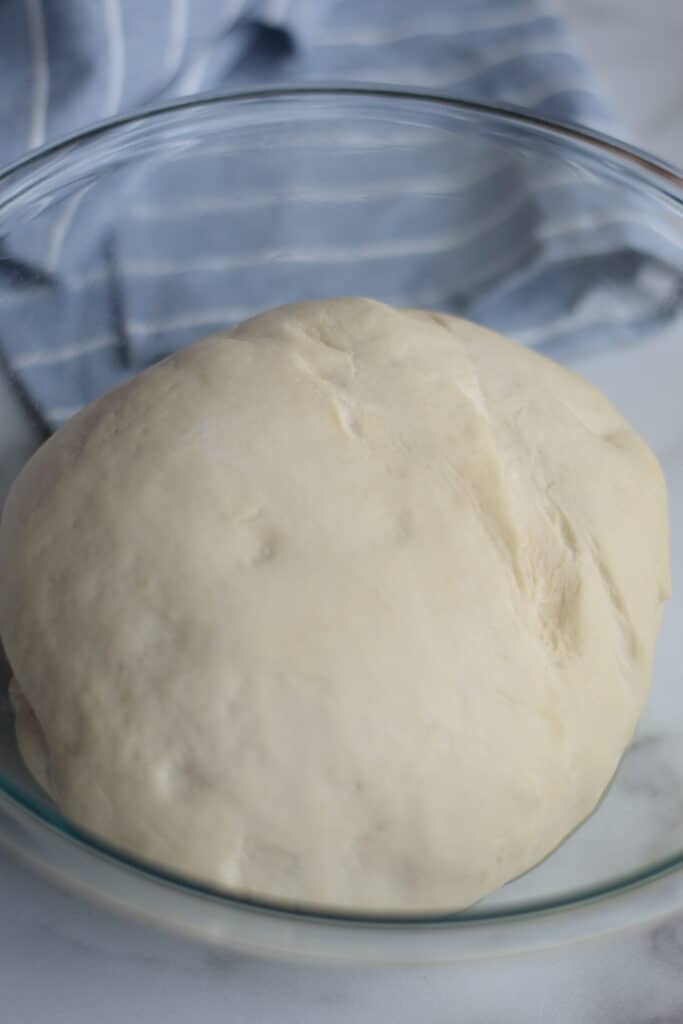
630, 645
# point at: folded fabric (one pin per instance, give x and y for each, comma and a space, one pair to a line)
130, 267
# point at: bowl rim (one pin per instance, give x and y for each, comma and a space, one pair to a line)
665, 175
660, 177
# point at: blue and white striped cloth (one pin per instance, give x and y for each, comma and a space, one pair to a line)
100, 302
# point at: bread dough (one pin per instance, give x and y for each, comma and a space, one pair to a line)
349, 605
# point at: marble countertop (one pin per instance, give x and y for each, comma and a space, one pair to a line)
63, 961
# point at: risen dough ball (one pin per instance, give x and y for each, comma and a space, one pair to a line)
349, 605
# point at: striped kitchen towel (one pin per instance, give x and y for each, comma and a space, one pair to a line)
124, 270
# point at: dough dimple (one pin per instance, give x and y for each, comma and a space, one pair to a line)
349, 605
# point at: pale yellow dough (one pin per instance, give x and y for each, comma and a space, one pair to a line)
349, 605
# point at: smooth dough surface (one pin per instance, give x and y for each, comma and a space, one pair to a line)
349, 605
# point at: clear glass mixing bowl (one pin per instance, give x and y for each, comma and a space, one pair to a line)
624, 865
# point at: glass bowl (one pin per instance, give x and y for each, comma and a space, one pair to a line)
78, 217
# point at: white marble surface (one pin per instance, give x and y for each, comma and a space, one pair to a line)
62, 961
